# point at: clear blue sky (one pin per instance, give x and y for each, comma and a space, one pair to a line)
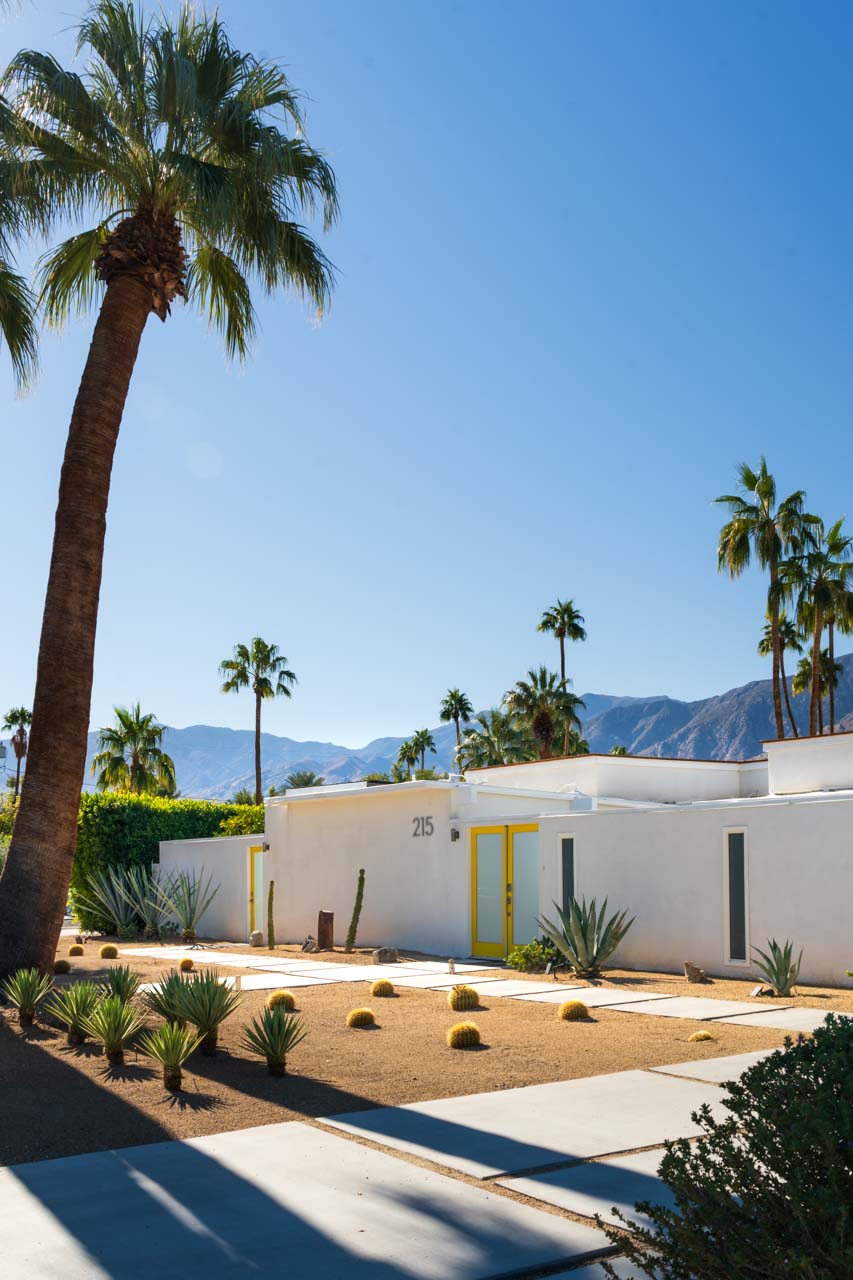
591, 256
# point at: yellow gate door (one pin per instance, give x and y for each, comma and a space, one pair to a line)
256, 886
504, 888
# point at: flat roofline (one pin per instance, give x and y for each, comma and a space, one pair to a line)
352, 789
729, 802
809, 737
606, 755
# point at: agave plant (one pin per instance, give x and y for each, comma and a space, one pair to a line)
778, 967
187, 897
585, 937
272, 1036
170, 1045
141, 888
108, 896
113, 1022
122, 982
206, 1002
73, 1006
25, 989
163, 998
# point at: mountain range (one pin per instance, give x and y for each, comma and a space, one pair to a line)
213, 763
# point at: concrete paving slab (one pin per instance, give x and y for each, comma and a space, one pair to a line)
271, 981
354, 972
593, 997
694, 1007
492, 987
513, 1130
443, 982
282, 1199
716, 1070
598, 1186
793, 1020
440, 966
624, 1270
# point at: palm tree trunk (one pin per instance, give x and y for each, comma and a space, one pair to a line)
458, 768
784, 679
831, 631
17, 774
814, 699
34, 884
777, 650
566, 727
258, 784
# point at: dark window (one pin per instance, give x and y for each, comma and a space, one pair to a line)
567, 853
737, 896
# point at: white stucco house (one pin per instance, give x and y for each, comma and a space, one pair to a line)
712, 857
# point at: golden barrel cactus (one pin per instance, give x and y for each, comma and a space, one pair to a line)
465, 1035
281, 999
187, 964
573, 1010
61, 966
108, 951
382, 987
361, 1018
75, 949
461, 998
699, 1036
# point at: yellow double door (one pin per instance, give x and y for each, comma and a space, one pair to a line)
504, 888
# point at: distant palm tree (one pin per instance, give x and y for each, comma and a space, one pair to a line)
19, 720
262, 668
618, 751
758, 526
456, 706
131, 758
579, 746
565, 622
407, 757
543, 702
830, 671
243, 796
422, 742
497, 738
789, 640
304, 778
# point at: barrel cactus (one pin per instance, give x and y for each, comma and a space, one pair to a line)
361, 1018
75, 949
382, 987
281, 999
186, 965
699, 1036
573, 1010
61, 966
465, 1035
108, 951
461, 998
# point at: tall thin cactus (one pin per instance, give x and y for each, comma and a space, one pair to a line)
270, 920
356, 912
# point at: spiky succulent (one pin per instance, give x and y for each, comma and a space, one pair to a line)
73, 1006
122, 982
464, 1035
778, 967
461, 998
585, 936
361, 1018
281, 998
109, 951
382, 987
273, 1036
164, 997
573, 1011
206, 1001
25, 989
114, 1022
170, 1045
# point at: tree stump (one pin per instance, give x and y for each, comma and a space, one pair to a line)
326, 931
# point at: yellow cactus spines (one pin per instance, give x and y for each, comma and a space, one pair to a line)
382, 987
573, 1010
187, 964
461, 998
75, 949
281, 999
465, 1035
699, 1036
361, 1018
108, 951
61, 966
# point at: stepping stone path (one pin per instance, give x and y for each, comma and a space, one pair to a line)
593, 997
271, 981
793, 1020
696, 1008
598, 1185
716, 1070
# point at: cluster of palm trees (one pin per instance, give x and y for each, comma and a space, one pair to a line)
18, 721
810, 573
131, 757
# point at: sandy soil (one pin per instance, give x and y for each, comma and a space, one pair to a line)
57, 1101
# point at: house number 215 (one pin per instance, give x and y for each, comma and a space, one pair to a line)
421, 827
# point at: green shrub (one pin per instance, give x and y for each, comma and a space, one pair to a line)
584, 935
25, 989
532, 957
206, 1002
778, 967
768, 1191
122, 830
272, 1036
72, 1006
170, 1045
247, 820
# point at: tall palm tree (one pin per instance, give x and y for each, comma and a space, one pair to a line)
789, 639
422, 742
17, 301
188, 161
839, 618
830, 671
810, 577
18, 720
456, 706
543, 702
757, 525
131, 757
262, 668
565, 622
407, 756
496, 738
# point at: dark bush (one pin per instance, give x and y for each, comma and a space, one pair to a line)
768, 1192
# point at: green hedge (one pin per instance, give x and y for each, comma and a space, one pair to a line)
124, 830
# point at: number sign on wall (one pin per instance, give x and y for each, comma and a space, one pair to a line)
421, 827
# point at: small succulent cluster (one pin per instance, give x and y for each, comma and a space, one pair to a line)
109, 951
573, 1011
361, 1018
464, 1035
462, 998
281, 999
382, 987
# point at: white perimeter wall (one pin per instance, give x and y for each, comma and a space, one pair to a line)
810, 764
225, 858
634, 777
667, 868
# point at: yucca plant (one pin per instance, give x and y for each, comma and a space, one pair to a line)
72, 1006
585, 936
164, 998
206, 1002
170, 1045
187, 897
272, 1036
113, 1022
107, 895
25, 989
778, 967
122, 982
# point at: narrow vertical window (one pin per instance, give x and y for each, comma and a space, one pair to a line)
567, 856
737, 895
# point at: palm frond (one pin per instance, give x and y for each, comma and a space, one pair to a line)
17, 323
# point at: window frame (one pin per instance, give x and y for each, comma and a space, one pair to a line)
728, 959
561, 836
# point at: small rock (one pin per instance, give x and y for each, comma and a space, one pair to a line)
310, 944
694, 974
256, 938
385, 955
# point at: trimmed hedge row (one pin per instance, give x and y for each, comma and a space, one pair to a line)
125, 830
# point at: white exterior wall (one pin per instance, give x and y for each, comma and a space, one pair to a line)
666, 866
634, 777
810, 764
225, 858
